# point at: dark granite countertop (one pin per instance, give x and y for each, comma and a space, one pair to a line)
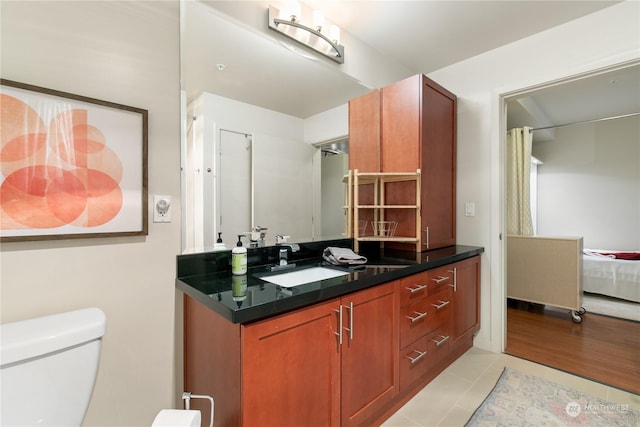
206, 277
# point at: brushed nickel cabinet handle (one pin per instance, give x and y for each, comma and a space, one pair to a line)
455, 279
441, 341
350, 328
416, 289
418, 317
420, 355
339, 333
442, 304
440, 279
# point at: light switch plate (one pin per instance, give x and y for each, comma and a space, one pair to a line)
161, 208
469, 209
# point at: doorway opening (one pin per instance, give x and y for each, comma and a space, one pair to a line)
548, 91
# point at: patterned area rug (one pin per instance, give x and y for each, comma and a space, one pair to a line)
522, 400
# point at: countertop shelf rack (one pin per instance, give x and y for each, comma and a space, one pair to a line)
355, 226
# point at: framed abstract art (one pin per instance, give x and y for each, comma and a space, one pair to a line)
70, 166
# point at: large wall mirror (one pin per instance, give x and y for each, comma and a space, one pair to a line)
257, 108
265, 130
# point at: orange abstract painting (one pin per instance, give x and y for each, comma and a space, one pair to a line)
61, 173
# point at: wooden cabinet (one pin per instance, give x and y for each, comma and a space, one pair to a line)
334, 363
466, 298
425, 323
364, 132
370, 376
417, 130
291, 369
352, 360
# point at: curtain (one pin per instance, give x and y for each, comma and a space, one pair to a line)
518, 182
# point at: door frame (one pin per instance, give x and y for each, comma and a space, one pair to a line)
498, 264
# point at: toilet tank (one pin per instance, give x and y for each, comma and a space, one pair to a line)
48, 367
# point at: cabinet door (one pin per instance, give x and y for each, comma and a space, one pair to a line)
291, 369
438, 163
419, 132
400, 146
364, 132
466, 297
370, 350
400, 150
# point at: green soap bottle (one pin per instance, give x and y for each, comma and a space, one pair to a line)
239, 258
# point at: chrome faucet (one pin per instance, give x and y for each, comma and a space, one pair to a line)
283, 256
293, 246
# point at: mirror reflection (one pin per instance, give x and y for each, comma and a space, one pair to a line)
263, 148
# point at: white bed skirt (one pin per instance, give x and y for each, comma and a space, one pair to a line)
612, 277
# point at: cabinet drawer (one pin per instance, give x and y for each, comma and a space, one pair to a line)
438, 346
414, 362
413, 288
425, 315
414, 321
440, 278
440, 306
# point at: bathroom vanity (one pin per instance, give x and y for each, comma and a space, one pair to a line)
347, 350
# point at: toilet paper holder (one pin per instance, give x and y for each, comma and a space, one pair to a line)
187, 396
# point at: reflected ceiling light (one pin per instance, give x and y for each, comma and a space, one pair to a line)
289, 23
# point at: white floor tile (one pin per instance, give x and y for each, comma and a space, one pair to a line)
452, 397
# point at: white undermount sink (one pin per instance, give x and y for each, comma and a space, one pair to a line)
300, 277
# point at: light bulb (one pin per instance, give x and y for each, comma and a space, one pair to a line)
318, 20
295, 11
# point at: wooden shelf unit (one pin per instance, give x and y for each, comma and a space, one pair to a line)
354, 179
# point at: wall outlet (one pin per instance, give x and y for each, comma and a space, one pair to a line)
161, 208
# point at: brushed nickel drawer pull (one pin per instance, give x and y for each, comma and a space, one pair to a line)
441, 305
418, 317
440, 279
420, 355
442, 340
416, 289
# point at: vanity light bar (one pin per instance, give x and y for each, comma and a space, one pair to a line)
307, 36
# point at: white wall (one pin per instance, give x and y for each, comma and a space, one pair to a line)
589, 184
599, 40
128, 53
328, 125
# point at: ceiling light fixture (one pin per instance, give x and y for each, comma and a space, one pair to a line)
288, 22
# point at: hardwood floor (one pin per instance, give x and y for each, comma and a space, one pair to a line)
603, 349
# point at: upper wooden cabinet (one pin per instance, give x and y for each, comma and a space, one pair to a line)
415, 128
364, 132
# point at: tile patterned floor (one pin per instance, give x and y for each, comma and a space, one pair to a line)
450, 399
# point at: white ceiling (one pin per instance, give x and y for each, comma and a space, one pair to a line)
429, 35
610, 94
417, 36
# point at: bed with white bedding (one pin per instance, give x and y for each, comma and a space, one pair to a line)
612, 273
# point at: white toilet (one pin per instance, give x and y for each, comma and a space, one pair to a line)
48, 368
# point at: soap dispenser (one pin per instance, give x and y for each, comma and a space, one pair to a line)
219, 246
239, 258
